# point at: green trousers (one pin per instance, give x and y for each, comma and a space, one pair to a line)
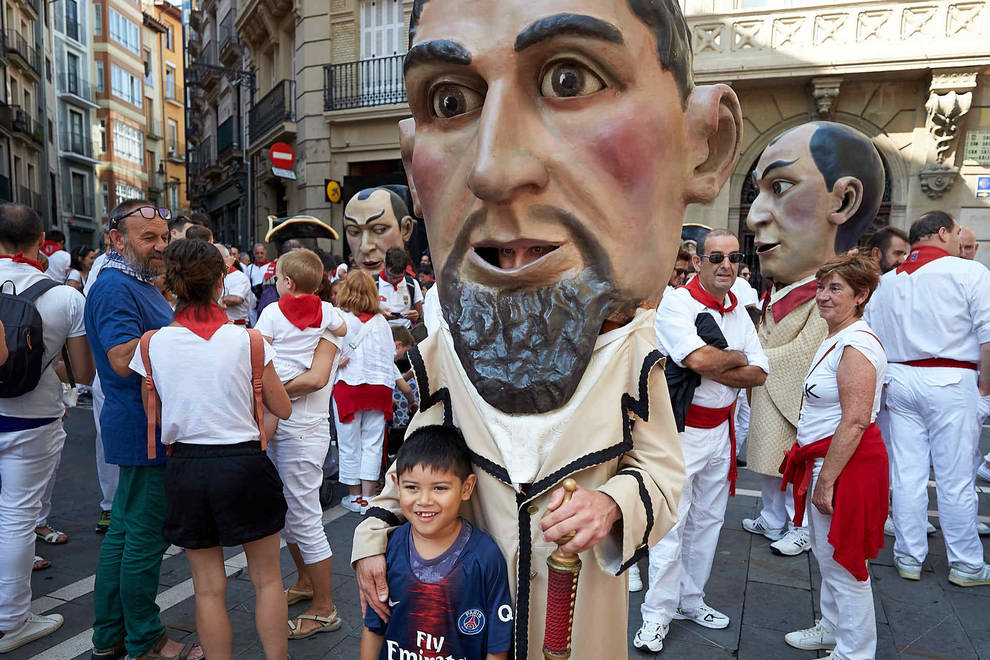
130, 563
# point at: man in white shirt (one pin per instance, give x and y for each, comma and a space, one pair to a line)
681, 563
59, 261
256, 273
939, 355
237, 295
889, 247
31, 434
399, 292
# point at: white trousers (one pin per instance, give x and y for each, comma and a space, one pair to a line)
682, 561
108, 473
778, 505
359, 446
27, 460
846, 603
298, 454
937, 423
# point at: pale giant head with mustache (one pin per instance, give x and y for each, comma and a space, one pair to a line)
553, 148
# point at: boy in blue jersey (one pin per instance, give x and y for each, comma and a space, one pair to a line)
447, 581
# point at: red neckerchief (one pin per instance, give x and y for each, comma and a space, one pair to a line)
699, 293
793, 299
920, 256
233, 267
201, 321
302, 311
48, 248
19, 258
364, 318
259, 264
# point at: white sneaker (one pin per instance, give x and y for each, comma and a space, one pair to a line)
36, 627
888, 527
635, 580
983, 472
982, 528
705, 616
795, 542
812, 639
907, 568
354, 503
650, 636
961, 576
758, 526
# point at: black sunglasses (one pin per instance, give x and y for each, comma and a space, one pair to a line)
681, 271
717, 257
147, 212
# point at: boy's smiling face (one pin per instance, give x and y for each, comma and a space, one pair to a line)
431, 499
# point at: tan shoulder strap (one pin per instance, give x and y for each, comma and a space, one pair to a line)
152, 406
257, 374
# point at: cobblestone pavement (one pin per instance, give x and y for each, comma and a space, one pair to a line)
764, 595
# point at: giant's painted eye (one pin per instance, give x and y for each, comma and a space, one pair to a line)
781, 186
450, 100
568, 79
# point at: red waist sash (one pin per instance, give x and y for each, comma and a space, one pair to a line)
700, 417
352, 398
940, 362
860, 497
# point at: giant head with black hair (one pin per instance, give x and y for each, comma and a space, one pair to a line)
375, 220
552, 151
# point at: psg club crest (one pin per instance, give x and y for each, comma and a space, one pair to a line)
471, 622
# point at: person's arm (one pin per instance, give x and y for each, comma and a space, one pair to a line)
318, 375
75, 284
414, 314
120, 356
741, 377
711, 362
984, 381
3, 344
273, 393
857, 379
497, 656
231, 300
82, 360
371, 645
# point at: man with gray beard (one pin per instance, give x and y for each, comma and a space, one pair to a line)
122, 305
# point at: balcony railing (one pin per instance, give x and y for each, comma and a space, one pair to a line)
206, 155
228, 137
364, 83
25, 196
76, 143
72, 28
19, 46
78, 205
71, 83
275, 107
228, 33
25, 124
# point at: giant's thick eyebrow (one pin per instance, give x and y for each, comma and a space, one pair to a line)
441, 51
567, 24
774, 165
370, 218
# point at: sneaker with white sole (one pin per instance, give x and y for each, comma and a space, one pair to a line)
635, 580
705, 616
354, 503
816, 638
35, 627
888, 527
793, 543
907, 568
759, 526
961, 576
650, 636
983, 472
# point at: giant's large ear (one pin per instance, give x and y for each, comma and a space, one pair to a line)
846, 198
714, 134
407, 141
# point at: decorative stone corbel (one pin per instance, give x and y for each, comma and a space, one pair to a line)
825, 91
950, 96
936, 180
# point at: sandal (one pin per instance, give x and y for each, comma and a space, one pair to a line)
294, 596
115, 652
40, 563
327, 624
154, 653
53, 537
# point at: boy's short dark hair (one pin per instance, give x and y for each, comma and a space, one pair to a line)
403, 336
396, 260
435, 447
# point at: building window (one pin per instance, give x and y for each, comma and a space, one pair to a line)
169, 39
105, 198
124, 192
124, 32
100, 75
98, 19
173, 137
128, 142
72, 73
124, 85
382, 28
170, 82
149, 69
173, 195
72, 19
79, 194
103, 136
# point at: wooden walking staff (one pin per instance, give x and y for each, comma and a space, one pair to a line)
562, 581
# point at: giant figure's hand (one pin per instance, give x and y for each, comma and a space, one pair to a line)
372, 585
589, 513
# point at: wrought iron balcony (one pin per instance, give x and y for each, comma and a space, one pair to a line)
18, 45
205, 158
76, 85
229, 41
80, 206
75, 143
25, 124
364, 83
25, 196
228, 138
274, 108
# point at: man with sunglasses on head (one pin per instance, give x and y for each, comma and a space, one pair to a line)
701, 327
122, 305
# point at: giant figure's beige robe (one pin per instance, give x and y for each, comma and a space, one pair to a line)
622, 441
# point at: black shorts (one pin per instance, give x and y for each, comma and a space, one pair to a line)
221, 495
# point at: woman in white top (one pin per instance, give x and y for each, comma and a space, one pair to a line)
221, 488
840, 460
82, 259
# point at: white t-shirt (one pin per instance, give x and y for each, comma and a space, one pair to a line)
236, 283
93, 272
745, 292
294, 348
61, 312
74, 276
204, 385
677, 337
58, 265
820, 409
372, 359
256, 273
395, 298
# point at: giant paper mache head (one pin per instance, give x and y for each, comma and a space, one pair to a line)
377, 219
820, 186
552, 150
282, 230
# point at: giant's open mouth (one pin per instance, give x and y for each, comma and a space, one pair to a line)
514, 254
763, 248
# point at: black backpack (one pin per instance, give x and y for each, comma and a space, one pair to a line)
25, 339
